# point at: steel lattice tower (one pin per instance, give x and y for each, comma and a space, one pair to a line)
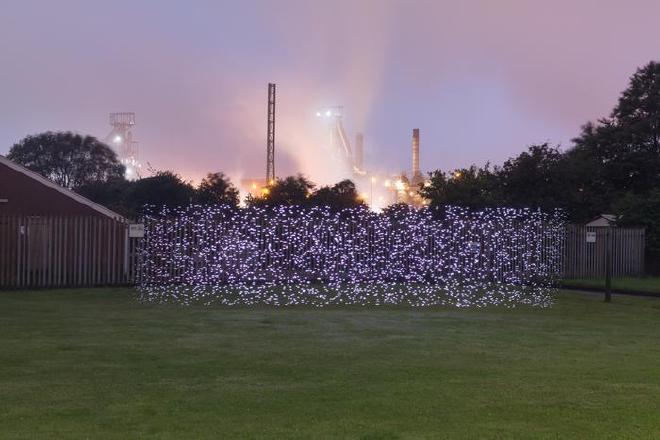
121, 138
270, 136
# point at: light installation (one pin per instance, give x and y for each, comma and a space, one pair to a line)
292, 255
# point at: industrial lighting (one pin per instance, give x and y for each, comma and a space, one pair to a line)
399, 185
254, 186
117, 139
373, 179
318, 114
388, 183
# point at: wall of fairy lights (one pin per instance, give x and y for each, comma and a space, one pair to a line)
313, 256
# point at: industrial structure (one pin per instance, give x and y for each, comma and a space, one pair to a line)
270, 135
359, 152
417, 177
404, 188
378, 190
121, 138
340, 143
258, 187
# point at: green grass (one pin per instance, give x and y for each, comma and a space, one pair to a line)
95, 364
643, 284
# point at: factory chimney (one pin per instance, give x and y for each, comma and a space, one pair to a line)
416, 174
359, 151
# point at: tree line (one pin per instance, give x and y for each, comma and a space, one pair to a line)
612, 166
92, 169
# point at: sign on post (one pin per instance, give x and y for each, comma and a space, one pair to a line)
136, 230
591, 237
474, 247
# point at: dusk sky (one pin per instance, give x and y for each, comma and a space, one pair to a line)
481, 79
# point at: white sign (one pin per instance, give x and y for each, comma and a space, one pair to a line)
591, 237
136, 230
474, 246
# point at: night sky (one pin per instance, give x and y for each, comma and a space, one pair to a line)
481, 79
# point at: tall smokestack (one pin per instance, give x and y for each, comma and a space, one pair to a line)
359, 151
415, 154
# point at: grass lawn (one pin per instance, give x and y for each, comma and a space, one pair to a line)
95, 364
642, 284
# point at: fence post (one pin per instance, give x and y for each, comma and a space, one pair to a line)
608, 264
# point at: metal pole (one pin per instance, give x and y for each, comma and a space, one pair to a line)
608, 265
270, 136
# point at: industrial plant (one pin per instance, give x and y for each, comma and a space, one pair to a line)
121, 138
377, 189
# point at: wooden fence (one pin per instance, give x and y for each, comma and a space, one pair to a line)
585, 250
65, 251
92, 251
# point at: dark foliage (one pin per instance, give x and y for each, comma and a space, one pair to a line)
291, 190
68, 159
613, 167
217, 188
165, 188
339, 196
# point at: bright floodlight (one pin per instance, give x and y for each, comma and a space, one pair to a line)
328, 113
117, 139
318, 114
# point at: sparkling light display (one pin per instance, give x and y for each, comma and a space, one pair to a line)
313, 256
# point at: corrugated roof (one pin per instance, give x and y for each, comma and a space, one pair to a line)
67, 192
610, 219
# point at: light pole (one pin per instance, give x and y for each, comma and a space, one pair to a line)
371, 196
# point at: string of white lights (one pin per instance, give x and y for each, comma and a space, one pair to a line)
292, 255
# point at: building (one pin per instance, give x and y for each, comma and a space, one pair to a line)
603, 221
26, 193
53, 237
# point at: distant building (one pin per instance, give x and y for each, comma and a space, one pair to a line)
26, 193
603, 221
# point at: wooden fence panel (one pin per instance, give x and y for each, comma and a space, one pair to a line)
584, 259
55, 251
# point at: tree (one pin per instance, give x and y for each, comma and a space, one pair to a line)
637, 113
472, 187
626, 146
129, 198
163, 189
643, 210
292, 190
68, 159
339, 196
113, 194
217, 188
535, 178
